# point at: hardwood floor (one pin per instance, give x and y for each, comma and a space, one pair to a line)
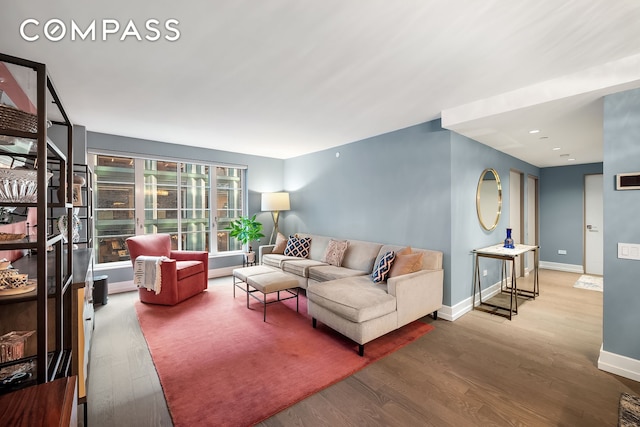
538, 370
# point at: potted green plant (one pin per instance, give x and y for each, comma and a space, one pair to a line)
246, 230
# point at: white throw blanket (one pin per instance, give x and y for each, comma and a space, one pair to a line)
146, 272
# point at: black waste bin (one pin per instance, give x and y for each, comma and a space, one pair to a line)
100, 289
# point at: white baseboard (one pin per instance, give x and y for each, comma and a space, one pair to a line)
222, 272
451, 313
619, 365
569, 268
118, 287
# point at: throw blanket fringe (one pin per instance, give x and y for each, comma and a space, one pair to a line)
146, 273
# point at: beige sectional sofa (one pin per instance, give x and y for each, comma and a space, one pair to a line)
345, 298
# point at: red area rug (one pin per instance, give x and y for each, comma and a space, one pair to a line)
220, 364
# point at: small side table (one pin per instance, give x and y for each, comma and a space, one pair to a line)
505, 255
249, 259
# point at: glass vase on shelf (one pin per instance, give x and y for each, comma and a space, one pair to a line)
508, 242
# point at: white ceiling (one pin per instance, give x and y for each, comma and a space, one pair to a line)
282, 78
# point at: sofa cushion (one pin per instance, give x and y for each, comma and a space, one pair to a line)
276, 260
331, 272
334, 253
298, 247
361, 255
185, 269
353, 298
406, 264
318, 245
281, 244
300, 267
381, 272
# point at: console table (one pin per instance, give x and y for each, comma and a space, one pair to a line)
505, 255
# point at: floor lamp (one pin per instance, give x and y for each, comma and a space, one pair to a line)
275, 202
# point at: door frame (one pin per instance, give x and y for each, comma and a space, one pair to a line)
536, 212
584, 220
519, 264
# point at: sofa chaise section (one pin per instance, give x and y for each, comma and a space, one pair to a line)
345, 297
364, 311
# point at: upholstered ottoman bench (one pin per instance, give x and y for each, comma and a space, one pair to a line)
265, 280
269, 283
242, 274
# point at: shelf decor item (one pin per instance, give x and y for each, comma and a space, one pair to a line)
19, 185
63, 225
15, 119
6, 237
13, 283
508, 242
12, 345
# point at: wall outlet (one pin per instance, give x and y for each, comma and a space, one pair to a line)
562, 251
484, 273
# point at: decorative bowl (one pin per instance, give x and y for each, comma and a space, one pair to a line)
11, 279
19, 185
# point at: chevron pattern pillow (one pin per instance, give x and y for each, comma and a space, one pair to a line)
381, 272
298, 247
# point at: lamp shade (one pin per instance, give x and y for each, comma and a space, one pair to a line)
275, 201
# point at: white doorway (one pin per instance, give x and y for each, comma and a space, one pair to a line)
593, 222
532, 220
515, 212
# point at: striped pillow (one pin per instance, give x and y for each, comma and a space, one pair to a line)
381, 272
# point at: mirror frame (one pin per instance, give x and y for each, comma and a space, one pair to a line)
497, 218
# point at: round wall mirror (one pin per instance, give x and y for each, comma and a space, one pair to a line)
489, 199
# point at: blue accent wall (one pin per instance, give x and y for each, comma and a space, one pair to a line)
469, 160
621, 318
392, 188
415, 186
562, 212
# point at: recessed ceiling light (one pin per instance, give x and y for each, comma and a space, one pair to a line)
534, 131
556, 148
571, 160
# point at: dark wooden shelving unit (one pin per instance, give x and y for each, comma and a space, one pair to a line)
61, 303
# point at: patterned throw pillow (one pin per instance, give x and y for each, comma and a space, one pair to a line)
298, 246
335, 252
381, 272
281, 244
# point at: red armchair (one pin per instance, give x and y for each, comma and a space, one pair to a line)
184, 275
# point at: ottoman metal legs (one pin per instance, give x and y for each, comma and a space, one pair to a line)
266, 281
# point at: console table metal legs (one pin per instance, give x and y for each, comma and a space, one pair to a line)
506, 256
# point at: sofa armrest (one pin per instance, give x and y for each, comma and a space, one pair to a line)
191, 256
417, 294
264, 250
201, 256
